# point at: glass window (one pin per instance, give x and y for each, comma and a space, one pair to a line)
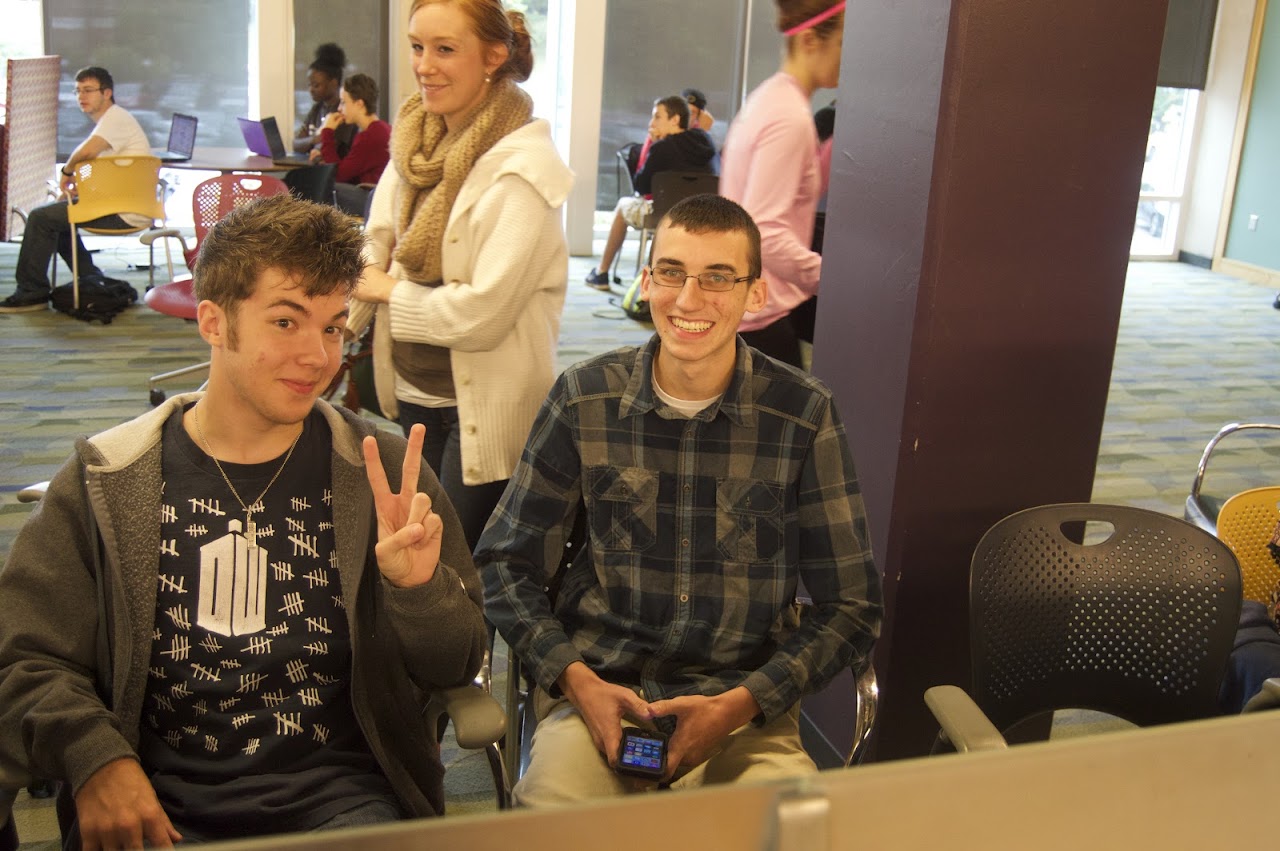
358, 26
647, 57
1164, 173
541, 83
166, 56
21, 36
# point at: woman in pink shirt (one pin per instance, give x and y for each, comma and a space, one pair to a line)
771, 166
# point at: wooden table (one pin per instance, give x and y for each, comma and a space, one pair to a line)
228, 160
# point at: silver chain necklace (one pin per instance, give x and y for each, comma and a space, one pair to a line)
250, 528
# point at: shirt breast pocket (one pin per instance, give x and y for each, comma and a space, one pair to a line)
749, 520
624, 508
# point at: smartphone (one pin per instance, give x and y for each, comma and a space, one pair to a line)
643, 753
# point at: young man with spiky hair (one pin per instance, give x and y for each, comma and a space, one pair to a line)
217, 621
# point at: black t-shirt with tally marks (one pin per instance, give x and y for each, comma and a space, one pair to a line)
248, 725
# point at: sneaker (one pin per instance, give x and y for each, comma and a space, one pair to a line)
15, 304
600, 280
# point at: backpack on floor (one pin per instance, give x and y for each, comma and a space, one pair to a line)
633, 304
101, 298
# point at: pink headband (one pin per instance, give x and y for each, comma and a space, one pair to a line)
816, 19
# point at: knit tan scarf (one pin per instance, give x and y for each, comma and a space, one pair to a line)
433, 163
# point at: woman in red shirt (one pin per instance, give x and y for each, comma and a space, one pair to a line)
370, 150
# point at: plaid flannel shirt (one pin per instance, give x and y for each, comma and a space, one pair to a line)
698, 530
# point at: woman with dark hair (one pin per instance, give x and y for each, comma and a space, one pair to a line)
367, 157
469, 255
324, 79
771, 165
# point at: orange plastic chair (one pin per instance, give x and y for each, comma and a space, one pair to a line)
1246, 524
115, 185
210, 201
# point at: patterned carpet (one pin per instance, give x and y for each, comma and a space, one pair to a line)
1196, 350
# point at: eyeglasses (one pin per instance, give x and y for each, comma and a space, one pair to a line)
716, 282
87, 91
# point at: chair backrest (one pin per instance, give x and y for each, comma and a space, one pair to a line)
628, 159
1246, 524
312, 182
1139, 625
217, 196
107, 185
670, 187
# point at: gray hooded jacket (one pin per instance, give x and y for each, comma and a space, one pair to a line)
72, 683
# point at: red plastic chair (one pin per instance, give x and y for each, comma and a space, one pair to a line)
211, 200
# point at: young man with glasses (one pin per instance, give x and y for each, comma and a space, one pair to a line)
115, 133
709, 481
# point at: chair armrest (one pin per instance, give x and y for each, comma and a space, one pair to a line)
478, 719
866, 703
1267, 698
163, 233
33, 493
962, 721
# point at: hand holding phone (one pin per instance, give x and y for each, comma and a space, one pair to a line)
642, 753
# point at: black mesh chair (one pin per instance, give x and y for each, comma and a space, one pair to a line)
313, 182
669, 188
627, 161
1138, 625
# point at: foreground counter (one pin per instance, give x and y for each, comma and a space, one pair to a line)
1196, 785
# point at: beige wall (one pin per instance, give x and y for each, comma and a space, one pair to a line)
1219, 107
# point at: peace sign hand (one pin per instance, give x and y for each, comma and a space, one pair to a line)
409, 532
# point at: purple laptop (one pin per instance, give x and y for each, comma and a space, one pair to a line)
255, 137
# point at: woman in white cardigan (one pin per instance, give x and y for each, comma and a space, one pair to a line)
468, 261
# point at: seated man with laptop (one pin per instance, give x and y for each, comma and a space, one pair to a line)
115, 133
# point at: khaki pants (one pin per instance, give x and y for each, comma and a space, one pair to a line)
565, 767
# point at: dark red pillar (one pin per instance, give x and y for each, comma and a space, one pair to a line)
984, 182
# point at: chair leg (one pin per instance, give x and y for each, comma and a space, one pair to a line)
644, 240
75, 269
151, 260
501, 784
157, 395
168, 258
516, 707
